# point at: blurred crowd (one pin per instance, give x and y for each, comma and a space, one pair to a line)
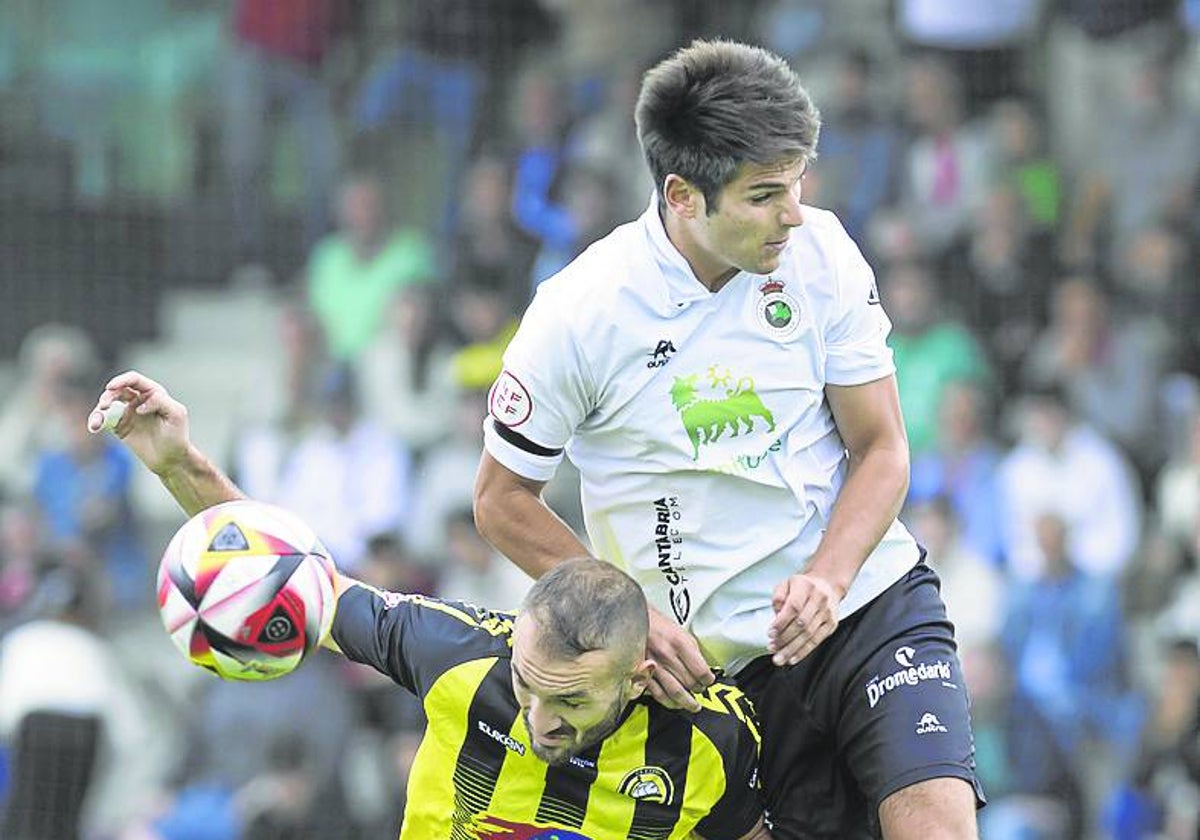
1023, 175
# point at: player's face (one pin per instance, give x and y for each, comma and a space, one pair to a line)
752, 221
567, 705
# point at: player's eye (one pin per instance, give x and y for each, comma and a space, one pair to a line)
761, 198
572, 704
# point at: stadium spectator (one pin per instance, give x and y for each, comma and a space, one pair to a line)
1096, 352
1001, 287
490, 249
604, 141
986, 49
343, 472
276, 56
446, 479
20, 559
1144, 171
1154, 275
1065, 638
49, 356
483, 320
446, 68
473, 571
82, 489
931, 351
961, 467
1064, 465
1023, 162
696, 393
405, 374
972, 587
1094, 51
949, 162
353, 273
1177, 492
860, 146
68, 717
562, 682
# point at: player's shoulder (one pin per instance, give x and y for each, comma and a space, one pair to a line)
596, 280
726, 716
484, 631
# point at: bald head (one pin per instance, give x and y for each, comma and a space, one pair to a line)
587, 605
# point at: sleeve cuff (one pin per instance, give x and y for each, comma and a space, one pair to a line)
525, 464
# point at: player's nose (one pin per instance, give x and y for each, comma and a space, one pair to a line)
541, 720
793, 213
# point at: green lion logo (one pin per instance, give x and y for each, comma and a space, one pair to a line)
706, 420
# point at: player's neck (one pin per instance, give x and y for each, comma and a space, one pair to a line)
710, 273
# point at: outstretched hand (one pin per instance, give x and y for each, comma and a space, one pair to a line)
805, 615
153, 425
681, 670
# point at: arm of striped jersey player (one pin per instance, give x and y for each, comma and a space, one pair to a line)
412, 638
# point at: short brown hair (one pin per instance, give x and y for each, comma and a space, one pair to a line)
585, 604
715, 105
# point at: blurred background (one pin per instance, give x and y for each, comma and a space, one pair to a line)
318, 220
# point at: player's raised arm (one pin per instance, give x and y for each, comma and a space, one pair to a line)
154, 426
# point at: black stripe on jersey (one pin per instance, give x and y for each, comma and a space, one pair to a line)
565, 797
521, 442
480, 757
668, 745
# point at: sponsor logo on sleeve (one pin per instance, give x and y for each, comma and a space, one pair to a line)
509, 401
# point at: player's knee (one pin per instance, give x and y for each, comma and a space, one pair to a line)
935, 809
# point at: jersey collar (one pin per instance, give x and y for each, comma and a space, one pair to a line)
680, 281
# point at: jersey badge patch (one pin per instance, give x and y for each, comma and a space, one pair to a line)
509, 401
648, 783
778, 311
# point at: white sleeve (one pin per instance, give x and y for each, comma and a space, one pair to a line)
856, 350
543, 393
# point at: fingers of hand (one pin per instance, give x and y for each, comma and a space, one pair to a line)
669, 692
804, 642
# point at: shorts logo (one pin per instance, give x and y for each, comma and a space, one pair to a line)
778, 311
509, 401
929, 723
651, 784
908, 675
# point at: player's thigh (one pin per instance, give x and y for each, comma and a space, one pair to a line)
905, 716
935, 809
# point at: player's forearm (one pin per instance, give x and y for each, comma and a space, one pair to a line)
520, 526
196, 483
869, 501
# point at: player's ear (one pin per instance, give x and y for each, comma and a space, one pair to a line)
639, 680
682, 197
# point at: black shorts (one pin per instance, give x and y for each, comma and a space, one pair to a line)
878, 706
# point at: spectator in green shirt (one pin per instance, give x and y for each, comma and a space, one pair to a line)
930, 350
354, 272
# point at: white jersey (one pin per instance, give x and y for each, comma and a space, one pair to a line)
709, 457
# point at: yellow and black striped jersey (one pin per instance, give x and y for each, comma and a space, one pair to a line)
661, 775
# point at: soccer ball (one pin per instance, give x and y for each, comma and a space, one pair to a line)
246, 590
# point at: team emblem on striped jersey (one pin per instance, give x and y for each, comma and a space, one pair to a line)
651, 784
